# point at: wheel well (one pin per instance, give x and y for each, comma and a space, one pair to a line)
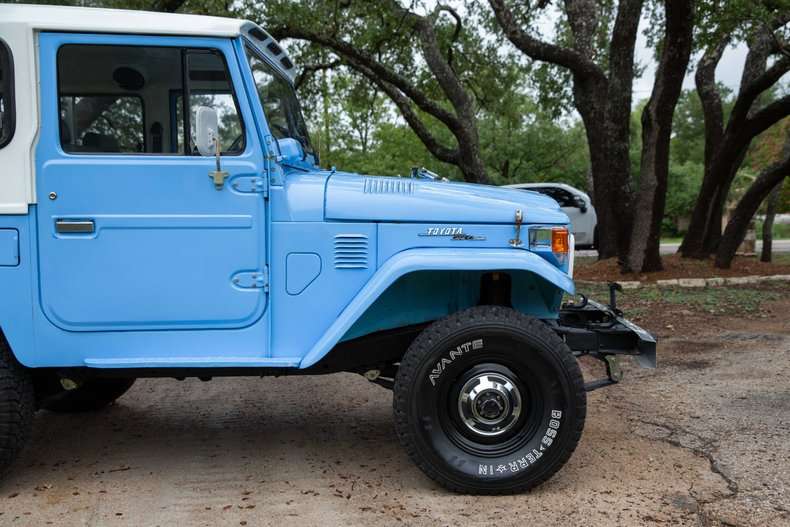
496, 289
423, 296
4, 343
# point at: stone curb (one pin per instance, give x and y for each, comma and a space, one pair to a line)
698, 282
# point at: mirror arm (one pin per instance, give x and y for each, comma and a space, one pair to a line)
219, 176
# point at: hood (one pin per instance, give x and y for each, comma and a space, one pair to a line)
352, 197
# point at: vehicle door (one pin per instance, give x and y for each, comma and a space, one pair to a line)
133, 232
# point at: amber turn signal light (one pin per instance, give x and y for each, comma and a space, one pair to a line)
559, 241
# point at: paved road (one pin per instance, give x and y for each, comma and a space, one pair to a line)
780, 246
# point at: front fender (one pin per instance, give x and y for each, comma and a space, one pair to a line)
414, 260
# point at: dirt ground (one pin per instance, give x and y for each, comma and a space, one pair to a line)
677, 267
701, 441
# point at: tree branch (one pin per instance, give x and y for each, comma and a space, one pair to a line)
314, 68
540, 50
354, 56
444, 73
747, 206
708, 92
439, 66
433, 145
765, 118
621, 58
456, 32
167, 6
749, 93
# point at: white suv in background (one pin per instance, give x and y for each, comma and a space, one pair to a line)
576, 204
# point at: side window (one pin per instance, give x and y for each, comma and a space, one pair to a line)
210, 85
7, 121
562, 197
130, 99
279, 103
102, 123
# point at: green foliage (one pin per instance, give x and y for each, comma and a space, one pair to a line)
684, 183
522, 143
735, 20
393, 151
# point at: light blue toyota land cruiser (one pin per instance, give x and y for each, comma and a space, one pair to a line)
163, 214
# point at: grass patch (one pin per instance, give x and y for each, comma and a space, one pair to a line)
781, 258
711, 300
781, 231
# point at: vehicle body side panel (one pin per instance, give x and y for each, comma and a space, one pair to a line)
38, 343
415, 260
583, 224
16, 289
9, 247
347, 253
299, 198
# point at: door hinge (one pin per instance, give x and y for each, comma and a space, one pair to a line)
253, 279
265, 278
251, 185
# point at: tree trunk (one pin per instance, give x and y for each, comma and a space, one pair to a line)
704, 232
726, 147
747, 207
768, 224
471, 164
643, 253
603, 99
601, 166
608, 140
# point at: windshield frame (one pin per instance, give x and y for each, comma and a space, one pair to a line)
303, 138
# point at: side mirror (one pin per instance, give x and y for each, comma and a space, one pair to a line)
206, 131
580, 203
290, 149
207, 142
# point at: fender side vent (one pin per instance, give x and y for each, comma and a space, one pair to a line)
351, 251
388, 185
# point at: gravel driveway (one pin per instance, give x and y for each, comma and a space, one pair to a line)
700, 441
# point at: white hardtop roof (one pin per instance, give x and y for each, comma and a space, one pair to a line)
86, 19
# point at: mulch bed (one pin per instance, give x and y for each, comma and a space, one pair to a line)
677, 267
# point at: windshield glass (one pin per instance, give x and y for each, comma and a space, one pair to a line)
279, 102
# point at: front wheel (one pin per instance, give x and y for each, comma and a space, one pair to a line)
489, 401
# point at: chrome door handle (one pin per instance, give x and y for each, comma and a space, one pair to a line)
64, 226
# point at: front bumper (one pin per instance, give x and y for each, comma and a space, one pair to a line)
601, 332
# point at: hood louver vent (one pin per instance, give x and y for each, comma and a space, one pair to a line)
388, 185
351, 251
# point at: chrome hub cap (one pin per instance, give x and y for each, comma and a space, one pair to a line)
489, 404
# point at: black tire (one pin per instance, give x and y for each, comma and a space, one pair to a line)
17, 406
91, 395
479, 347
